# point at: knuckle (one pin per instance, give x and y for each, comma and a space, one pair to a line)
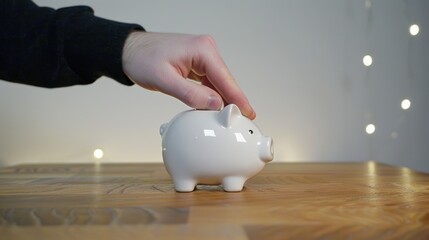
189, 98
205, 40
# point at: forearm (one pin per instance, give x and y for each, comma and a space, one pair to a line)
55, 48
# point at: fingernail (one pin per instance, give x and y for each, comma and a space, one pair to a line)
253, 116
251, 113
214, 102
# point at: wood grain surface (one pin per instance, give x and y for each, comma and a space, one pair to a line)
366, 200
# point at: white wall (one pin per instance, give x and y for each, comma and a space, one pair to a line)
299, 62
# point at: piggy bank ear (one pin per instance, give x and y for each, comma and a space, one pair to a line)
228, 114
163, 128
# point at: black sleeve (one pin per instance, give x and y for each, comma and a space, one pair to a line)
55, 48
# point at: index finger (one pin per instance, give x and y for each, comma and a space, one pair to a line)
210, 62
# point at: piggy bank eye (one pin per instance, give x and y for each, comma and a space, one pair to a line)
250, 131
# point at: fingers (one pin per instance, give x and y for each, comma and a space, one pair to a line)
202, 79
192, 94
195, 76
218, 75
231, 93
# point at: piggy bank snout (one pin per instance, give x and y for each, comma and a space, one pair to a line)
266, 149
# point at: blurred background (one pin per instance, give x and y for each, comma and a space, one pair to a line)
333, 80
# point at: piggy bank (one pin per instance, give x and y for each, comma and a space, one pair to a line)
213, 147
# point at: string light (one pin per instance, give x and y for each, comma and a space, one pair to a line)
98, 153
367, 60
368, 3
414, 29
405, 104
370, 128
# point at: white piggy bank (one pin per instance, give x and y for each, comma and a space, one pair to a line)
213, 147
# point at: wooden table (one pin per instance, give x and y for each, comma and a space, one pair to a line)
365, 200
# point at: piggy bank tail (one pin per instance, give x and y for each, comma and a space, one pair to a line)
163, 128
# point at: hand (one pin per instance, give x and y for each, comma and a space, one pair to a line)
165, 62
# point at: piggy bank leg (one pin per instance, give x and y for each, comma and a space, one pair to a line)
184, 185
233, 184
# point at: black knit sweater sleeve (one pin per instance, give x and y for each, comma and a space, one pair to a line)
55, 48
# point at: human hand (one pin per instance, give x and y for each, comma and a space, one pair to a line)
165, 62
